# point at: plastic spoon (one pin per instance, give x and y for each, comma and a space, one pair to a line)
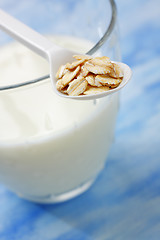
55, 55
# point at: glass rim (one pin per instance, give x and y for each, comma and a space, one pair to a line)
90, 52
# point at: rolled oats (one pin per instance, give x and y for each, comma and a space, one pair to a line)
74, 64
77, 86
100, 61
88, 75
84, 71
116, 71
61, 71
109, 81
97, 69
67, 78
84, 57
59, 85
94, 90
91, 79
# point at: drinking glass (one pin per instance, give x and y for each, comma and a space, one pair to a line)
52, 149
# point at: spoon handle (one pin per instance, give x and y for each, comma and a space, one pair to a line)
25, 35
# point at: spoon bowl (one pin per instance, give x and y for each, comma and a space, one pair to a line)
127, 74
55, 55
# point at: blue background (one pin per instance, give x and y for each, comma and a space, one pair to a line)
124, 202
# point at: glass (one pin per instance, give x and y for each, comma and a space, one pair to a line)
52, 149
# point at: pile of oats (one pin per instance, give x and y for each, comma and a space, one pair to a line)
88, 75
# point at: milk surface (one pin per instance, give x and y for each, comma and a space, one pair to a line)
49, 145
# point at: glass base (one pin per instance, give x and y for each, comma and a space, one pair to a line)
51, 198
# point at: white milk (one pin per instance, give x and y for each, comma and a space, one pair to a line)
49, 145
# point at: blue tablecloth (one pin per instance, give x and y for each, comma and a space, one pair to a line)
124, 202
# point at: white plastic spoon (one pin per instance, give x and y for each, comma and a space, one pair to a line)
55, 55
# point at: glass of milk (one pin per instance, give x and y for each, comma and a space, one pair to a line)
51, 148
